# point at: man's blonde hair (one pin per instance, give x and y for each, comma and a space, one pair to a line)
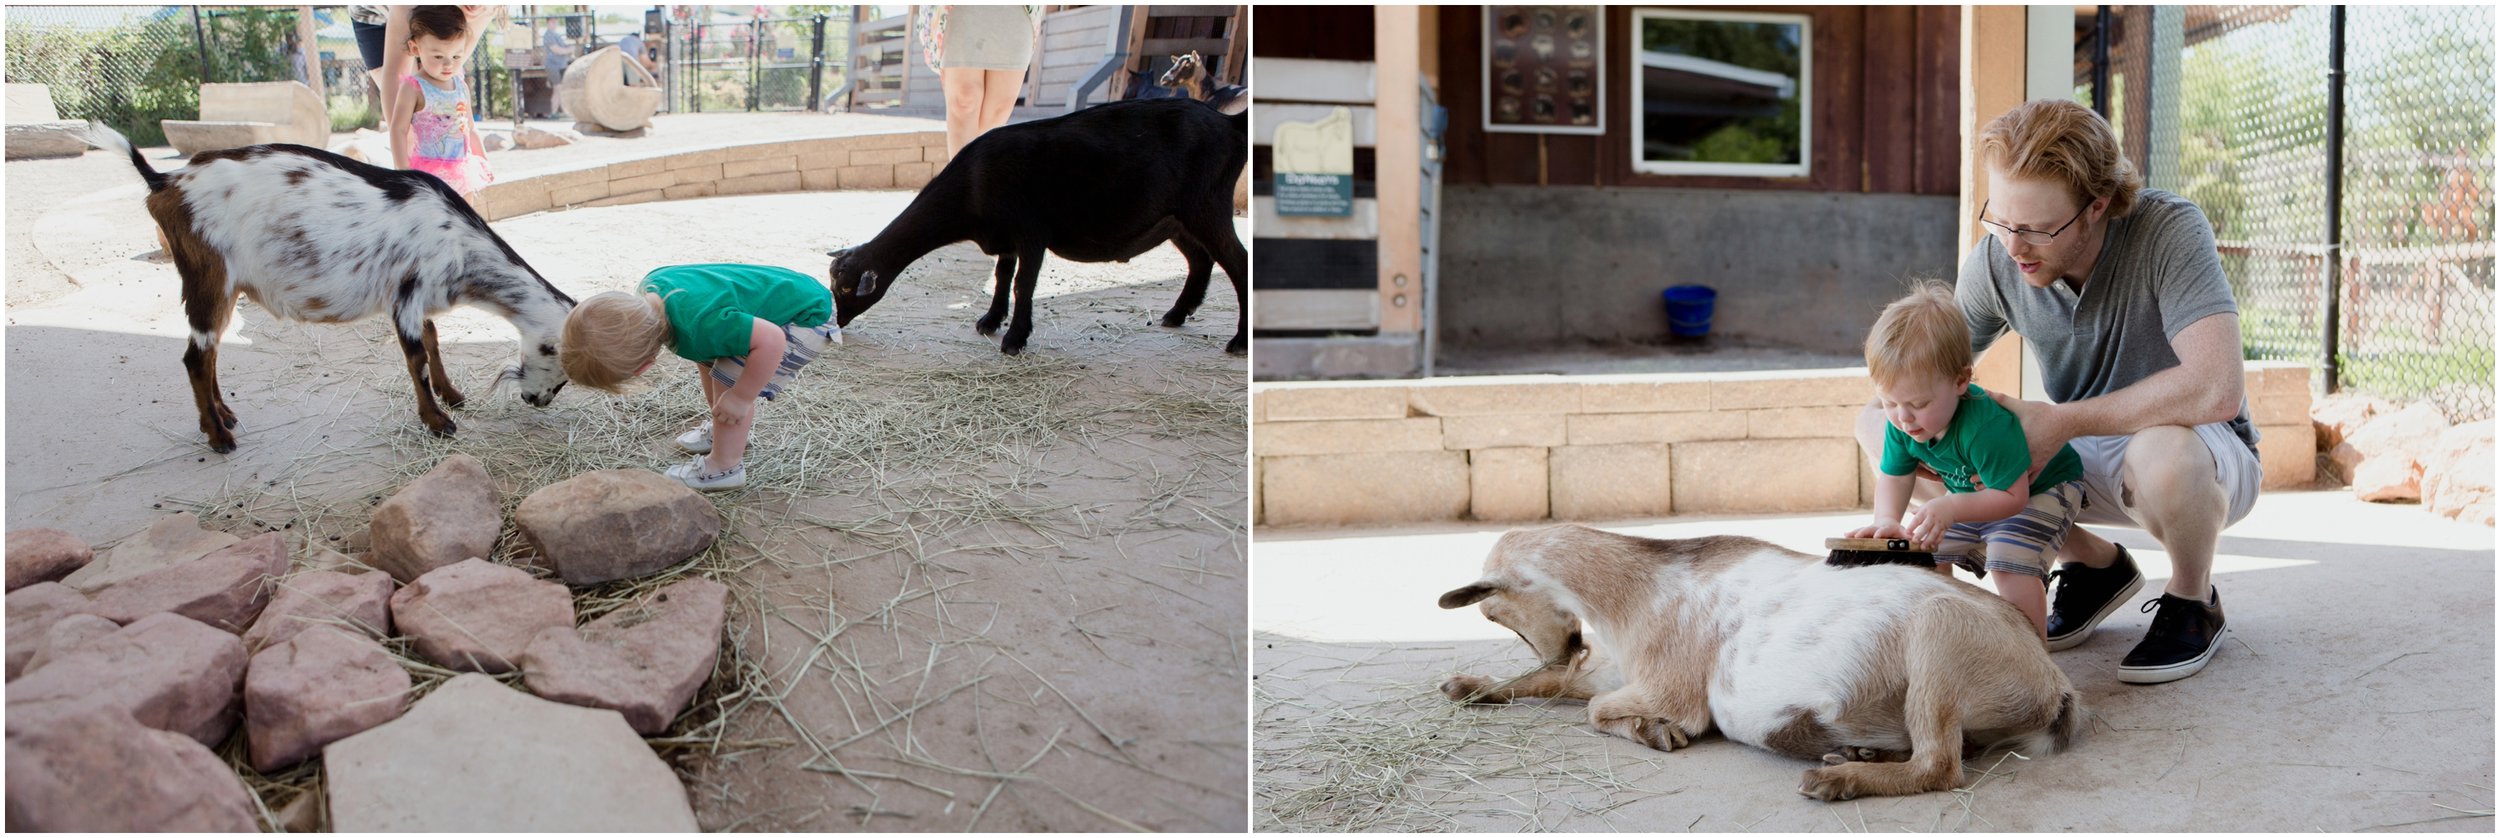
609, 337
2064, 143
1920, 334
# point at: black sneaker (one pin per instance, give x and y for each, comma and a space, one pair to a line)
2088, 595
2184, 636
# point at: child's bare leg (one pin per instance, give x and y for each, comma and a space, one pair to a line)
729, 444
711, 390
2028, 593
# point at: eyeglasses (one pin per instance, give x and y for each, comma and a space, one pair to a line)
2034, 238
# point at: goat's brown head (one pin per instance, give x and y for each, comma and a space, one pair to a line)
1528, 609
1185, 69
857, 284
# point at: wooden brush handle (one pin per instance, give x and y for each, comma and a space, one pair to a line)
1898, 545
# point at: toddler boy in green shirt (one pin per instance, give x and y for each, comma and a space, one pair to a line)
1919, 355
747, 328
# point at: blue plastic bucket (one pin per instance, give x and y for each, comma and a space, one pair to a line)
1688, 309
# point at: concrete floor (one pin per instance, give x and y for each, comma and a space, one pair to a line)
2354, 692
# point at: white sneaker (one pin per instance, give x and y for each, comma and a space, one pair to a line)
698, 441
693, 475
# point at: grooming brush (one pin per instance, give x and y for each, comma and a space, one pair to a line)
1862, 552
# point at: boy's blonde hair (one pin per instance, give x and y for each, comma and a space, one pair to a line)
1920, 334
2065, 143
608, 338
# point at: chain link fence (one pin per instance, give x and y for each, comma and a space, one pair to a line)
2228, 106
726, 63
131, 66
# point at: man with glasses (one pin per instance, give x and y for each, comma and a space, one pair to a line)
2123, 301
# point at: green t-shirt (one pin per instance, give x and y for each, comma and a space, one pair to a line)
712, 308
1983, 439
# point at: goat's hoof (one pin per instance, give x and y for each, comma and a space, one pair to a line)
221, 446
1828, 784
453, 399
1238, 346
1662, 734
1174, 319
444, 428
225, 418
987, 326
1466, 689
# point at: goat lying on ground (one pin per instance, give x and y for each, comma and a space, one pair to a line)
1886, 673
1103, 184
1188, 74
313, 236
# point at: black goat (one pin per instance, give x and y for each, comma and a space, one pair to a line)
1103, 184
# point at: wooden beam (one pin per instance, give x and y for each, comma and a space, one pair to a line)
1397, 42
1237, 50
1993, 59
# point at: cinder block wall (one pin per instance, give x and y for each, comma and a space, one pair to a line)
1587, 448
872, 161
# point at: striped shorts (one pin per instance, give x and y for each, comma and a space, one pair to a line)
2024, 543
803, 344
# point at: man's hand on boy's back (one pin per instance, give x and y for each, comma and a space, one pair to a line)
2042, 431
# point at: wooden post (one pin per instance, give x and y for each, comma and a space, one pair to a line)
1993, 58
312, 55
1237, 46
1397, 43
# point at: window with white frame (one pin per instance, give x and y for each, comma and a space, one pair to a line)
1721, 93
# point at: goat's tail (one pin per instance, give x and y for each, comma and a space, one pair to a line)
2063, 730
108, 139
2068, 726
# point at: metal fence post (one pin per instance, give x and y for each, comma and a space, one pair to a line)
199, 38
2334, 195
816, 68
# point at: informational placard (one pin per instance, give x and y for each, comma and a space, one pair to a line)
1314, 165
1544, 69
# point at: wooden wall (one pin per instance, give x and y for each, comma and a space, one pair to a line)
1872, 132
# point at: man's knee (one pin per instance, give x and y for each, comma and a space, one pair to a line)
2170, 471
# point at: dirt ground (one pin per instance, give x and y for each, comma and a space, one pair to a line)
1021, 610
2354, 692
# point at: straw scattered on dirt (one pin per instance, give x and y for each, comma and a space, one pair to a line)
946, 445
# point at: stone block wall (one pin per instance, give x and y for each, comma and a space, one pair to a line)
1586, 448
871, 161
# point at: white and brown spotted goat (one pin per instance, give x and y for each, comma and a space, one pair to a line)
1886, 673
313, 236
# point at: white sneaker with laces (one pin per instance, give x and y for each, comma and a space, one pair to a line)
692, 474
698, 441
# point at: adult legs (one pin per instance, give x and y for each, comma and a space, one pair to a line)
965, 91
2171, 479
998, 98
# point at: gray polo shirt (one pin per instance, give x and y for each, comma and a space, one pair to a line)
2157, 274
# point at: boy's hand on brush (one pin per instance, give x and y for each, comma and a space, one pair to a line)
1893, 530
1929, 523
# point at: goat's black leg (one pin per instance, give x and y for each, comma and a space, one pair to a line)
1213, 228
1194, 291
1028, 273
1001, 284
412, 343
435, 370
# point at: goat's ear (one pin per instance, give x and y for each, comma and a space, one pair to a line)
867, 283
1467, 596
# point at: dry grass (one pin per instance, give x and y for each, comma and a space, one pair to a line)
943, 446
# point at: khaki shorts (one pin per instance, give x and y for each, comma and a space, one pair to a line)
2105, 459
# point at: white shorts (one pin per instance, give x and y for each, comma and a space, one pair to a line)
2105, 458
